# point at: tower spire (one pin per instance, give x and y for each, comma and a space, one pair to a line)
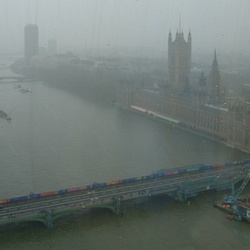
215, 63
179, 23
215, 79
189, 37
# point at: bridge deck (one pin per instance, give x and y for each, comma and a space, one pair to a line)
180, 187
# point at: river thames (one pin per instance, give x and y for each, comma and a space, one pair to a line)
58, 140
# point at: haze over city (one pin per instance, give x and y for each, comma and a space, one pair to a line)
124, 124
81, 25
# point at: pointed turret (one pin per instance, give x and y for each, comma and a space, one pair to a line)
170, 36
215, 80
189, 37
215, 63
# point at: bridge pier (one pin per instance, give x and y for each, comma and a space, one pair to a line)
179, 196
185, 192
49, 220
118, 206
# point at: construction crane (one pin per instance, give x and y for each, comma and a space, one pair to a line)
230, 200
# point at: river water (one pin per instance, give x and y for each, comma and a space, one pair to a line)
58, 140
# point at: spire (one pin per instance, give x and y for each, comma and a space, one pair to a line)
170, 36
215, 80
189, 37
215, 63
179, 23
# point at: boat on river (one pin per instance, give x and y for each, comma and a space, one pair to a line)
25, 90
4, 115
230, 217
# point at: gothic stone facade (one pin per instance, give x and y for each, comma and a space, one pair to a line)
230, 126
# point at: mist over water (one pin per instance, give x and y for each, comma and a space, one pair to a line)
55, 135
60, 137
57, 140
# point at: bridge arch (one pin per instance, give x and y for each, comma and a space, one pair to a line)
27, 219
52, 216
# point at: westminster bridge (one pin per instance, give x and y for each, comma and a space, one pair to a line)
180, 186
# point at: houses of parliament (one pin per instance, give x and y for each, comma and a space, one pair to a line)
203, 108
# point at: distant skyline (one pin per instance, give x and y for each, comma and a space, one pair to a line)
80, 25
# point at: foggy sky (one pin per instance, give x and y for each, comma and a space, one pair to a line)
88, 24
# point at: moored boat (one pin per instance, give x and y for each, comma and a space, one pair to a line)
4, 115
228, 216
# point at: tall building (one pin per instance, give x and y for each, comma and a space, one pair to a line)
179, 60
30, 42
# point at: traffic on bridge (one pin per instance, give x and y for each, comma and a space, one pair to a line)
181, 184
